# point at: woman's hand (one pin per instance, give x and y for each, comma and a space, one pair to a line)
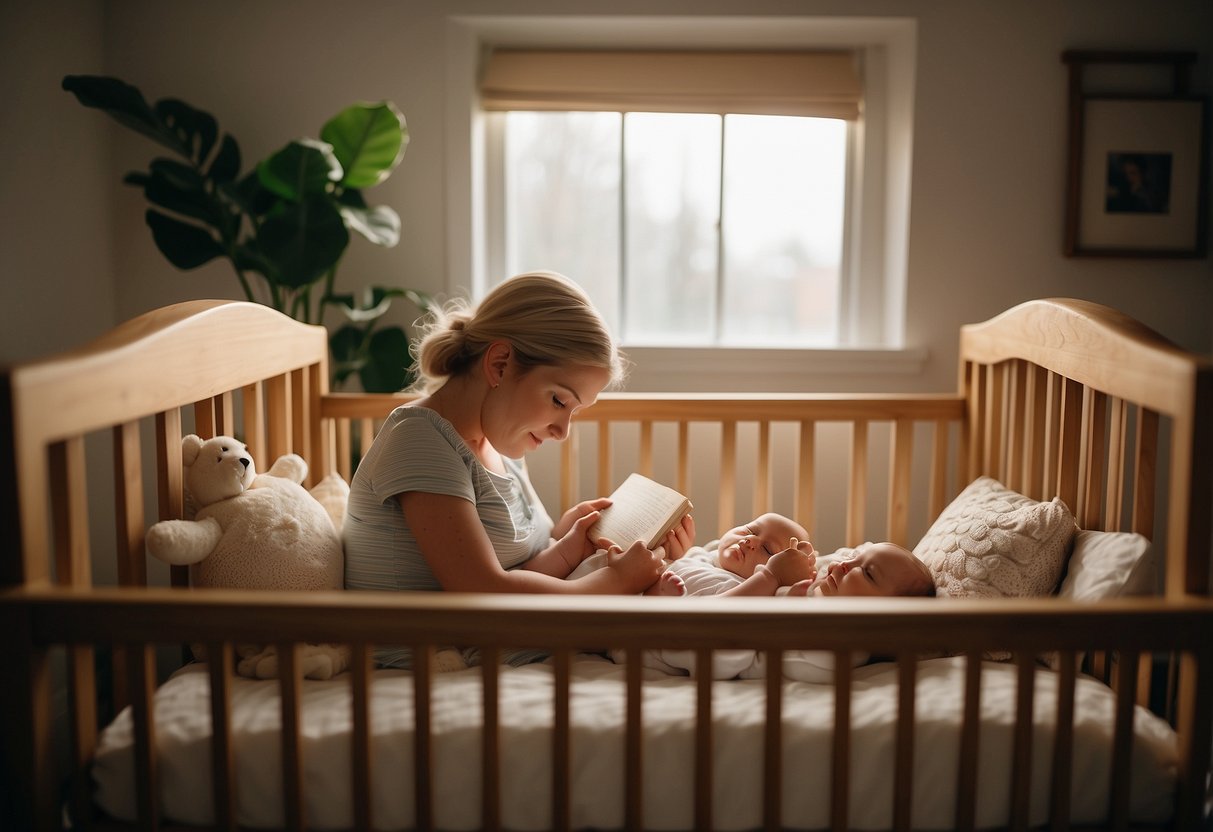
635, 569
577, 512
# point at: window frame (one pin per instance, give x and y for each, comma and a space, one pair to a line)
872, 303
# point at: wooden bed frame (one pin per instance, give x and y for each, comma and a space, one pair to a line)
1055, 397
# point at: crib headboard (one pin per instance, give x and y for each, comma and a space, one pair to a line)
1070, 398
193, 359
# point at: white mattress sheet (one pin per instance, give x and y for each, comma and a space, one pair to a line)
183, 727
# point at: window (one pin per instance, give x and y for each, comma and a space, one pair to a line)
872, 298
686, 229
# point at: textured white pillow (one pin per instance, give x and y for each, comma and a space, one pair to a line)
995, 542
1109, 565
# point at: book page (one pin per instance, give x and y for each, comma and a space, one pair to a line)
641, 509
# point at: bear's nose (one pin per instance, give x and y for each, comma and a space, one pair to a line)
245, 461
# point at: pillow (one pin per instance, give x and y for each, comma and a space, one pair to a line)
995, 542
1109, 565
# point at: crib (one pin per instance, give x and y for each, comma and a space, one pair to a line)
1010, 713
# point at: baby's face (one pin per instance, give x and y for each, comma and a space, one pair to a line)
744, 547
882, 569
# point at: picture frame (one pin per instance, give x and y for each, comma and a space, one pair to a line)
1138, 176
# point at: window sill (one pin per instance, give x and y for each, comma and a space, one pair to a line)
741, 369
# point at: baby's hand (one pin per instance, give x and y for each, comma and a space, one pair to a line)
798, 563
680, 538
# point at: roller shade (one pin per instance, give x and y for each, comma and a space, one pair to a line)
823, 84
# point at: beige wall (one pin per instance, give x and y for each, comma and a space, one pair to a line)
988, 154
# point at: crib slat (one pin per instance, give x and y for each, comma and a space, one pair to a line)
561, 733
995, 402
1017, 377
1118, 436
646, 447
840, 785
703, 738
490, 749
82, 689
1095, 426
423, 757
857, 502
344, 448
762, 471
605, 486
804, 476
1194, 725
1122, 739
684, 457
1052, 429
1035, 439
1070, 447
570, 453
772, 744
970, 736
366, 435
633, 744
142, 688
1145, 461
204, 418
360, 741
298, 414
727, 504
277, 418
974, 425
70, 498
903, 766
1063, 741
938, 482
252, 399
292, 757
899, 481
128, 505
1021, 764
220, 660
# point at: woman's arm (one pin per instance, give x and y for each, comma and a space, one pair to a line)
459, 553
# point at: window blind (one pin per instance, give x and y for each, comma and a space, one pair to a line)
822, 84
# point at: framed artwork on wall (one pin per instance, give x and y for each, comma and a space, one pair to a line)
1138, 173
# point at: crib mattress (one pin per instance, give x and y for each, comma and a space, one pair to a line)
597, 702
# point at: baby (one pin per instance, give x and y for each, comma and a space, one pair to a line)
771, 552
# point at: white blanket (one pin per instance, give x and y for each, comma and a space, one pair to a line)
182, 716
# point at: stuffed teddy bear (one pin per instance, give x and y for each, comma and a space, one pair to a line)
257, 531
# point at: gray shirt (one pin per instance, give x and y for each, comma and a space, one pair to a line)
418, 450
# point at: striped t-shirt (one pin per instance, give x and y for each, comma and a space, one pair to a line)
418, 450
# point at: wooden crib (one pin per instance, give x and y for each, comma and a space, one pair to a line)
1056, 397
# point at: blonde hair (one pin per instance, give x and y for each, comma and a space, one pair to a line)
544, 316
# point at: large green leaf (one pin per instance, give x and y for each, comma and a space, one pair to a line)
126, 105
302, 168
304, 240
195, 129
225, 167
177, 188
380, 225
388, 366
186, 246
369, 140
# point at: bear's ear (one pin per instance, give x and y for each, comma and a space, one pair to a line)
191, 444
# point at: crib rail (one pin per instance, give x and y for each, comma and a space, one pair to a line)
904, 629
766, 445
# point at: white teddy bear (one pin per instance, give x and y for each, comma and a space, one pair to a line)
257, 532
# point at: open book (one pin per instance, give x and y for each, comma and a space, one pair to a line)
641, 509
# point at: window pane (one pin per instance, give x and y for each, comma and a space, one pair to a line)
672, 200
784, 200
562, 200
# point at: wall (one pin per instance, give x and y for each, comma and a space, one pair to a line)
988, 162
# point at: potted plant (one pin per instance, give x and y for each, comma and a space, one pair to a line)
285, 224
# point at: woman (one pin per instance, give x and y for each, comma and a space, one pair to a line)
442, 499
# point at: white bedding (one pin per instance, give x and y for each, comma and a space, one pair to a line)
182, 716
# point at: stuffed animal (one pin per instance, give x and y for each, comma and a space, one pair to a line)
257, 531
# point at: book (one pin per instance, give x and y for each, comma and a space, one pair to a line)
641, 509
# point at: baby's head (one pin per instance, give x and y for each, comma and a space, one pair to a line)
877, 569
743, 547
